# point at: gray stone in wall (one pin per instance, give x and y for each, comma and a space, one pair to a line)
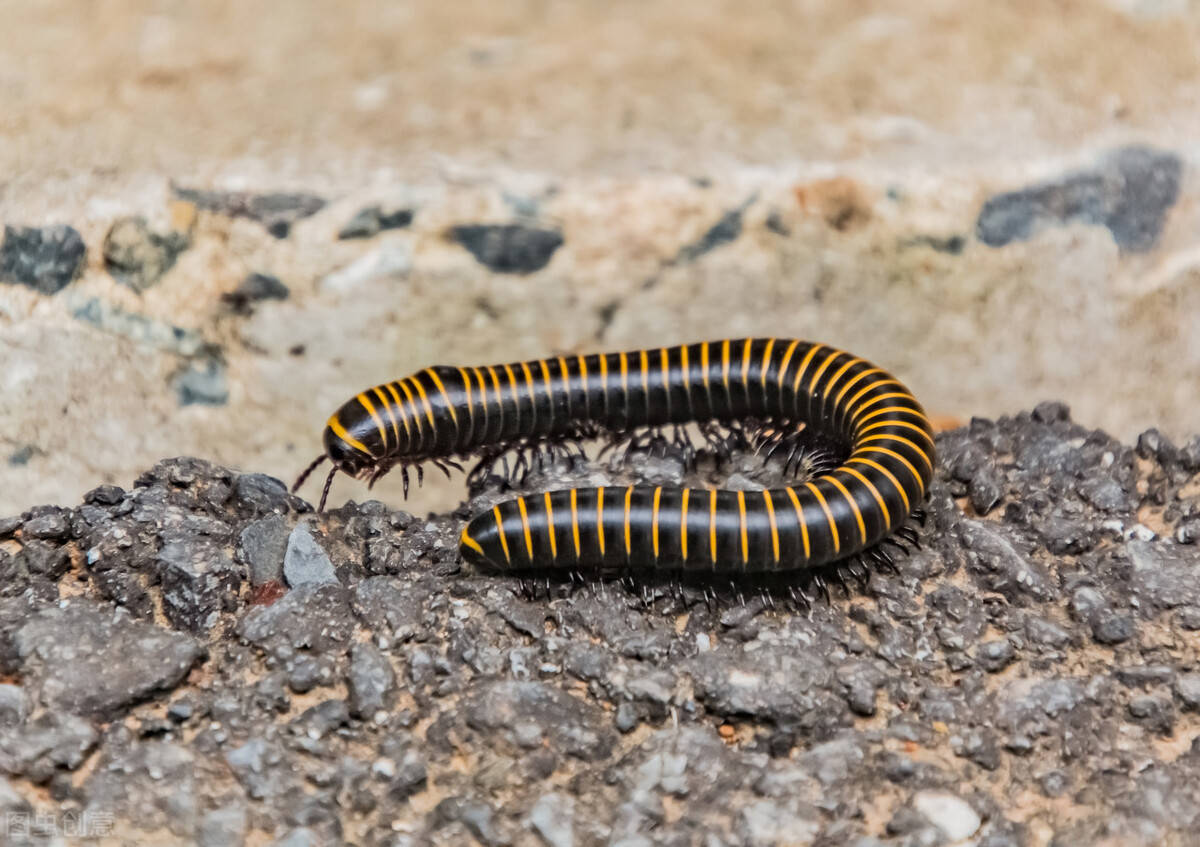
45, 258
509, 248
1129, 192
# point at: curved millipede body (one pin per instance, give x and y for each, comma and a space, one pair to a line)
442, 412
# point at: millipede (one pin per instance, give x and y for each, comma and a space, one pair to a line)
443, 413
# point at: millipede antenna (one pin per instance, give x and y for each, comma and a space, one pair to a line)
308, 471
325, 491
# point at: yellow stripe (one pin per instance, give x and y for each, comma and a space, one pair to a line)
604, 380
838, 374
566, 381
628, 534
525, 526
893, 409
425, 401
487, 412
800, 519
666, 379
503, 537
787, 358
862, 527
600, 517
749, 342
550, 528
654, 521
725, 363
712, 524
887, 518
625, 376
365, 402
837, 544
532, 395
644, 359
683, 525
853, 404
837, 401
774, 528
895, 455
340, 431
442, 389
391, 387
416, 417
704, 373
549, 391
742, 525
891, 477
389, 412
808, 357
921, 430
575, 521
766, 365
467, 540
888, 437
833, 354
470, 404
583, 378
499, 396
512, 387
683, 364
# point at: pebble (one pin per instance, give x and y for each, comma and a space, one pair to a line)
508, 248
372, 220
553, 818
47, 259
949, 813
305, 562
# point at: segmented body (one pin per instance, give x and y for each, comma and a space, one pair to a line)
442, 412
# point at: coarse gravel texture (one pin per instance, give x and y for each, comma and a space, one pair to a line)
204, 660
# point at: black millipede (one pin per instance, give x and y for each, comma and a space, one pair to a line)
444, 412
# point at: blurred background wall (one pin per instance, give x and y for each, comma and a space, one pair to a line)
224, 218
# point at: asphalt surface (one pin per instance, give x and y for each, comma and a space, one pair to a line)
202, 659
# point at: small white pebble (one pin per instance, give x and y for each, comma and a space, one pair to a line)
384, 767
948, 812
1107, 459
1140, 532
703, 642
1114, 526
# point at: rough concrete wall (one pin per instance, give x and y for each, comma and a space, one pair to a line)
975, 196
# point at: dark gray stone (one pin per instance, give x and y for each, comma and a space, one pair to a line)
1111, 628
254, 289
263, 544
1129, 192
727, 229
305, 562
508, 248
199, 581
46, 259
88, 661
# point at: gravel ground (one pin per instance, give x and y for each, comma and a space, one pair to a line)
201, 659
